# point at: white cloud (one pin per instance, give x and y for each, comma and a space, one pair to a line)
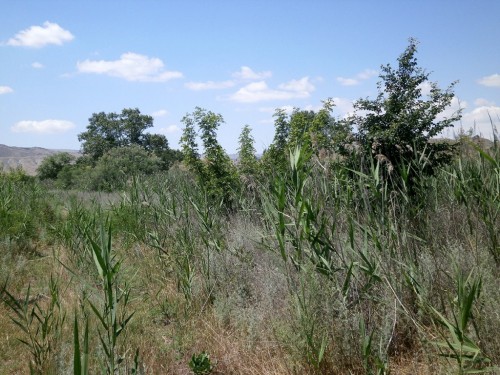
298, 85
343, 107
247, 74
481, 102
170, 129
209, 85
480, 119
356, 80
37, 65
42, 127
367, 74
5, 90
132, 67
491, 81
347, 81
259, 91
40, 36
160, 113
287, 108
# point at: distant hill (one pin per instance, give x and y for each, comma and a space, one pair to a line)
28, 158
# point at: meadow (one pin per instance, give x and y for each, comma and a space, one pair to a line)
318, 271
372, 251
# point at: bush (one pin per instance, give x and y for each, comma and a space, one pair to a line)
53, 164
118, 165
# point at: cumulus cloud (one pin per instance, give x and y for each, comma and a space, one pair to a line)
37, 65
482, 120
132, 67
209, 85
247, 74
160, 113
40, 36
42, 127
5, 90
450, 111
244, 74
491, 81
481, 102
356, 80
259, 91
343, 107
298, 85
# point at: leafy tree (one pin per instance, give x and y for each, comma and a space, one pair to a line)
398, 124
274, 158
52, 165
157, 144
106, 131
247, 161
191, 155
316, 133
300, 126
217, 173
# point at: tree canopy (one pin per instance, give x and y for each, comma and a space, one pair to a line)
107, 131
400, 121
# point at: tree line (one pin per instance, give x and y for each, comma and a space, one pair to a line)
392, 131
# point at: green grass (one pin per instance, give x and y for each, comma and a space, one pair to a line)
322, 270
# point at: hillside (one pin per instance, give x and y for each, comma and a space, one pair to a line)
29, 158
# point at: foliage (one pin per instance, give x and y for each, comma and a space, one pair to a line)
396, 127
247, 161
356, 279
42, 327
201, 364
22, 209
274, 158
52, 165
119, 165
458, 344
157, 145
112, 309
107, 131
216, 172
315, 133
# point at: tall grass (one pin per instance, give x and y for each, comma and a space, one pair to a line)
322, 269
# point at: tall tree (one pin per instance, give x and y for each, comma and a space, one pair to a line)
274, 159
106, 131
247, 161
398, 124
217, 172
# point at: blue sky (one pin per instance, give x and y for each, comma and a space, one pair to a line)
62, 61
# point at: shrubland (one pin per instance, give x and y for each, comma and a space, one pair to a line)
337, 252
